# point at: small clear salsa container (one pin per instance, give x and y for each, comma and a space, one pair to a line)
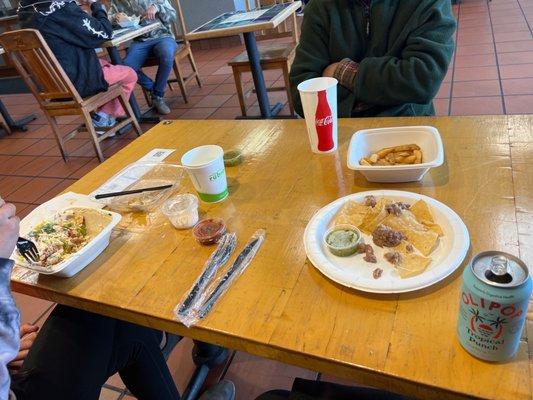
209, 231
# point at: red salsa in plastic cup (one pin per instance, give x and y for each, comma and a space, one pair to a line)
209, 231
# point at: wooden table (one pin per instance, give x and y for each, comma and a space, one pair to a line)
282, 307
112, 49
273, 17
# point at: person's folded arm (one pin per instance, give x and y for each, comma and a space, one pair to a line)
312, 54
416, 75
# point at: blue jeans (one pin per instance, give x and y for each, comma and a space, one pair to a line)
163, 49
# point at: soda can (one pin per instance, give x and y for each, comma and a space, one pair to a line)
494, 298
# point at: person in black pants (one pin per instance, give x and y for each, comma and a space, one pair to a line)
76, 351
303, 389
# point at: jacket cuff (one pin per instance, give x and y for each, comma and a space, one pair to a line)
345, 73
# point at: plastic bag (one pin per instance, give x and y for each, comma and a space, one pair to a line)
207, 289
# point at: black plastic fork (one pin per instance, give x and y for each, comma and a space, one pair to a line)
28, 250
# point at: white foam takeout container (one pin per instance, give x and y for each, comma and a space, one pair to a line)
368, 141
86, 254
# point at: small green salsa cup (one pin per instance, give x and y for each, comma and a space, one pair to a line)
342, 240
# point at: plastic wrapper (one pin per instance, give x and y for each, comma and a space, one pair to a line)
214, 280
137, 176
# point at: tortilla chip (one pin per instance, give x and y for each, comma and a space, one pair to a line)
419, 235
375, 216
412, 265
433, 227
421, 211
351, 213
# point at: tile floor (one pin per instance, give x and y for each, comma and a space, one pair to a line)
492, 73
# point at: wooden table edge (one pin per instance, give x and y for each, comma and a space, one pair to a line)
362, 375
128, 35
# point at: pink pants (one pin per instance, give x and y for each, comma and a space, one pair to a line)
126, 77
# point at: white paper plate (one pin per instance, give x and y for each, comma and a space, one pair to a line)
356, 273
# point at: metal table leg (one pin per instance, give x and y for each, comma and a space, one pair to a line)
147, 116
259, 79
19, 125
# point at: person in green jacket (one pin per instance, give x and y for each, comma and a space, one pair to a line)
389, 56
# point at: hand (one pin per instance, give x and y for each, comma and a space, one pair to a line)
86, 2
121, 17
9, 228
150, 13
330, 70
28, 333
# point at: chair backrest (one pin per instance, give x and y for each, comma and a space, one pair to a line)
288, 28
7, 69
180, 28
38, 66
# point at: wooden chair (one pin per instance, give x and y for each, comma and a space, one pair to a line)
184, 52
4, 125
54, 91
273, 56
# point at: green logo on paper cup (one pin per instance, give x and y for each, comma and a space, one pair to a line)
216, 175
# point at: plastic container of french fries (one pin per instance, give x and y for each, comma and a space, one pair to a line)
399, 154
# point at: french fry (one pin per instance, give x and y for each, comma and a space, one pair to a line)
409, 160
418, 155
373, 158
384, 152
402, 154
364, 161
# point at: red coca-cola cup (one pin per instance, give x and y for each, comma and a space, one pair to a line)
319, 102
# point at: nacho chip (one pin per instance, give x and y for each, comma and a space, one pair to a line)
421, 211
351, 213
412, 265
375, 216
419, 235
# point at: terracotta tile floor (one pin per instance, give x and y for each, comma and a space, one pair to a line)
492, 73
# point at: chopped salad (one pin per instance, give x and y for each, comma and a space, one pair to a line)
59, 238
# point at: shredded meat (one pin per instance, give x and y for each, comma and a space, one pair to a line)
377, 273
384, 236
370, 201
371, 258
368, 251
393, 257
397, 208
361, 248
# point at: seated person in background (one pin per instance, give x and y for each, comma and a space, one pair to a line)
159, 43
73, 35
76, 351
389, 56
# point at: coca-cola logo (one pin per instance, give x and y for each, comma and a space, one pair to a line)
324, 121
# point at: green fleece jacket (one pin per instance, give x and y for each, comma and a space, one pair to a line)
403, 48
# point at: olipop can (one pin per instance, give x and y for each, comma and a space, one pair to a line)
493, 307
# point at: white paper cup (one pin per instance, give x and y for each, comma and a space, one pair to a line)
205, 165
319, 102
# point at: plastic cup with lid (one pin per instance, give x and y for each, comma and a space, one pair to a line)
182, 210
